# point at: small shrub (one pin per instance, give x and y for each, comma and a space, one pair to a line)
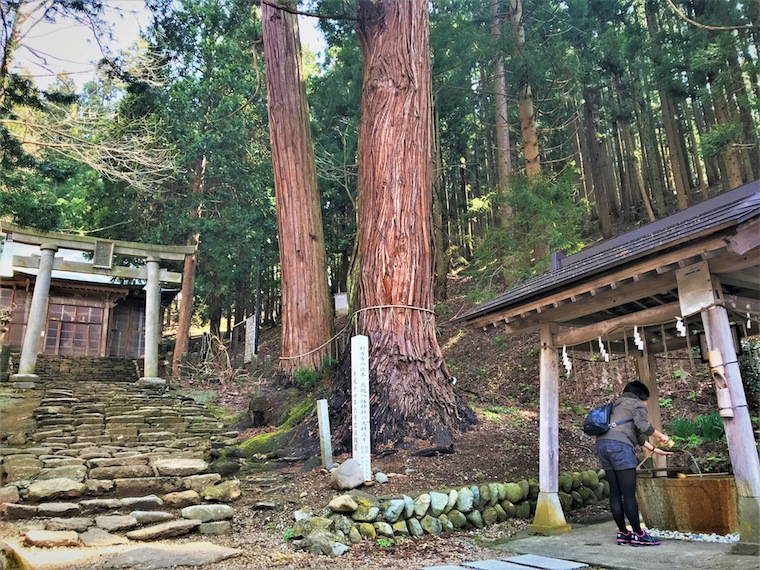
694, 441
306, 378
711, 461
749, 365
288, 534
524, 388
711, 426
683, 428
384, 542
666, 402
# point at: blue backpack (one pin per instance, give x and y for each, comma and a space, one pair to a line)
598, 422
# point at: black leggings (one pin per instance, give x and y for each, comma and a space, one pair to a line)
623, 498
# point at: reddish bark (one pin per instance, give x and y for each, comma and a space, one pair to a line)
412, 392
307, 319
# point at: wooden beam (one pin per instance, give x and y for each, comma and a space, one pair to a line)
61, 264
86, 243
728, 262
748, 279
648, 317
627, 293
746, 238
742, 305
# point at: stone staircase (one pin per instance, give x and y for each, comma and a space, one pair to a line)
108, 462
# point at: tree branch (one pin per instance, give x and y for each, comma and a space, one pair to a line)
278, 6
705, 26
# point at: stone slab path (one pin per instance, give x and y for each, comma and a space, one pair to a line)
522, 562
109, 463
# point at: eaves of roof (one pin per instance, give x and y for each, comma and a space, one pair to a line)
709, 217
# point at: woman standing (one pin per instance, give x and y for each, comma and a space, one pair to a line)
615, 450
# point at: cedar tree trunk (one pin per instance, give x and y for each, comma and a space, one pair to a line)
503, 146
411, 390
185, 319
307, 318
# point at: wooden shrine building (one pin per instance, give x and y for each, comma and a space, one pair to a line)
700, 266
90, 316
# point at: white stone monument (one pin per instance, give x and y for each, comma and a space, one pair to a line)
250, 339
325, 439
360, 403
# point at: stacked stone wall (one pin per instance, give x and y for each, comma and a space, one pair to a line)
85, 368
358, 515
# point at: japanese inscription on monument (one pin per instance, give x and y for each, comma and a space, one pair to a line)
250, 339
360, 403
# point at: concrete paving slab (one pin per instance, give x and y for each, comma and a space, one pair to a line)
595, 545
493, 565
544, 562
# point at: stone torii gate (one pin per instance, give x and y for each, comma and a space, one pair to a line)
102, 264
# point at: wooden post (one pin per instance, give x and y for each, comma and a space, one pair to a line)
700, 291
741, 440
549, 518
5, 354
647, 369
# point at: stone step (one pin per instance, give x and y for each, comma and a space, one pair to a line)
71, 524
107, 460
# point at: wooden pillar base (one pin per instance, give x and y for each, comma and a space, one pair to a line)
749, 526
549, 519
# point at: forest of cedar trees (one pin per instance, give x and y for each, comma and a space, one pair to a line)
429, 138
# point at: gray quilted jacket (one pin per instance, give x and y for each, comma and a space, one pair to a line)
626, 407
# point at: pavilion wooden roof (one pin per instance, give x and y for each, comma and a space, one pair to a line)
630, 280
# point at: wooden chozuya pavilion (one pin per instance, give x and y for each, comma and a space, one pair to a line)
702, 262
77, 303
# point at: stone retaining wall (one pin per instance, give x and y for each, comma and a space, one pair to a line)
358, 515
85, 368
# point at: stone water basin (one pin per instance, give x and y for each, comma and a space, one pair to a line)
691, 503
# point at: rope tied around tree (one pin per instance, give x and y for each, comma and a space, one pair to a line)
351, 320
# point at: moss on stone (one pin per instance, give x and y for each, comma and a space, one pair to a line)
263, 444
299, 412
266, 443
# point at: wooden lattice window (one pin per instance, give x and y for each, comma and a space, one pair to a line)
73, 330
